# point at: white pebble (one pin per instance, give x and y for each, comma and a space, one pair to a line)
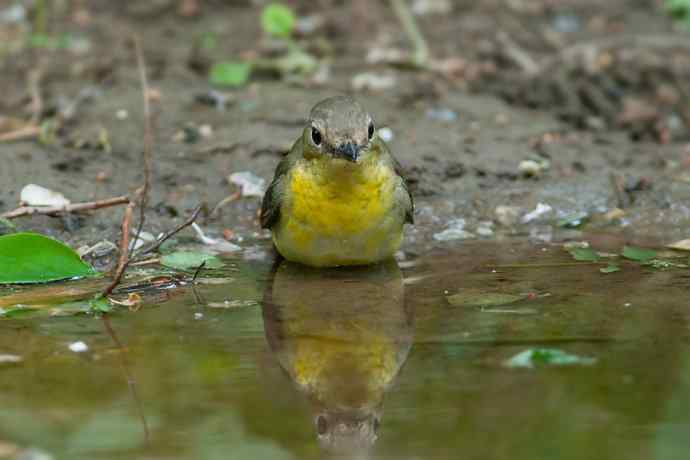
78, 347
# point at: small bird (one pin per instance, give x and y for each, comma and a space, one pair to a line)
338, 197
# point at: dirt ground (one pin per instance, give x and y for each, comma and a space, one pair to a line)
573, 109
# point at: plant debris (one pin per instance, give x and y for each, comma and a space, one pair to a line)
546, 357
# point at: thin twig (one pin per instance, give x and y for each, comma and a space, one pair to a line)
34, 83
155, 260
75, 207
225, 201
125, 258
197, 271
27, 132
618, 185
421, 49
515, 52
131, 382
148, 136
173, 232
124, 250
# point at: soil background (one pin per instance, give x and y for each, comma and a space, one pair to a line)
602, 120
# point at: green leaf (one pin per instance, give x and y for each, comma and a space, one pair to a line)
230, 73
679, 7
535, 357
183, 260
584, 254
32, 258
612, 268
278, 20
638, 254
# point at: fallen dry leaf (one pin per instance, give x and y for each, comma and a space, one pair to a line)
682, 245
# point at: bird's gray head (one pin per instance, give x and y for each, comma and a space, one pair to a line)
339, 127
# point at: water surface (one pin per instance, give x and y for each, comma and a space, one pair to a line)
291, 363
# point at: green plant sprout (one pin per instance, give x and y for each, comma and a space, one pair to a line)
277, 21
679, 9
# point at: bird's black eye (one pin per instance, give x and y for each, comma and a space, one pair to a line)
371, 130
315, 136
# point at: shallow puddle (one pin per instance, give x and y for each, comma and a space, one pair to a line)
287, 362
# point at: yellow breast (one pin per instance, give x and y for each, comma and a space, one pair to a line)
338, 213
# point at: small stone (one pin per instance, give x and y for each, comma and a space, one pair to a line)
206, 131
485, 228
533, 168
538, 212
442, 114
455, 230
198, 316
35, 195
507, 216
122, 114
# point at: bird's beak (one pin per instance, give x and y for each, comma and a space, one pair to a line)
348, 151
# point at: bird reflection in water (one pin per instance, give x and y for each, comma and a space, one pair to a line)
342, 335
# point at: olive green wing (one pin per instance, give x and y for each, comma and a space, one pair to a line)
407, 200
273, 198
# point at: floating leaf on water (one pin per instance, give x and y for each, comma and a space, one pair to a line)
683, 245
584, 254
536, 357
611, 268
32, 258
638, 254
230, 73
489, 299
184, 260
278, 20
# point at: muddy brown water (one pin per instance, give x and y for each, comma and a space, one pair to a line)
372, 363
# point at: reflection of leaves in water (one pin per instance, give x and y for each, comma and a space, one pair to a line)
611, 268
226, 437
186, 260
108, 431
584, 254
